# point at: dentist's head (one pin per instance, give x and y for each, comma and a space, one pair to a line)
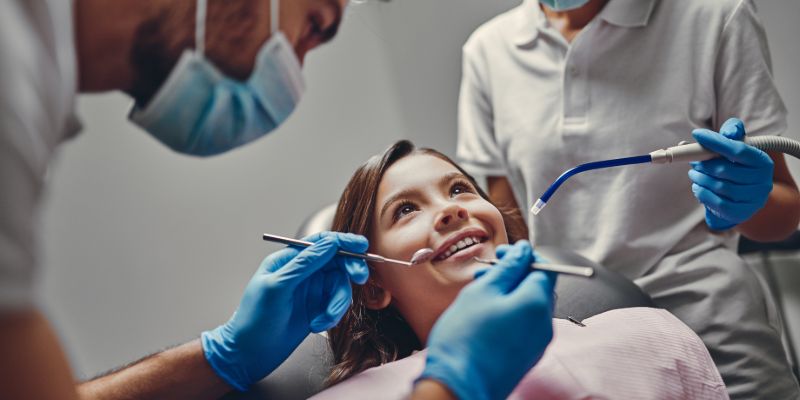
207, 76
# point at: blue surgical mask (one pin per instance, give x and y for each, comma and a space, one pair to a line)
563, 5
202, 112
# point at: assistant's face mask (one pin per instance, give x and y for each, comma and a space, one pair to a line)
563, 5
202, 112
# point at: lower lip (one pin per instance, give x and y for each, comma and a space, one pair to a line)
466, 254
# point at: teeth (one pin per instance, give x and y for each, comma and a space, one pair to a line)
461, 244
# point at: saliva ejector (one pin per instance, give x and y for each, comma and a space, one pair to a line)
683, 152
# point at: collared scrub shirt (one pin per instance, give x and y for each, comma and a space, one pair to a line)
38, 80
638, 78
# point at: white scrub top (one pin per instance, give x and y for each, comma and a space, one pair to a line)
38, 80
639, 77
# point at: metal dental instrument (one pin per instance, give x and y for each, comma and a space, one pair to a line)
575, 321
424, 254
419, 257
586, 272
683, 152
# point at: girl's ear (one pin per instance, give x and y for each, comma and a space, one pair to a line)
376, 297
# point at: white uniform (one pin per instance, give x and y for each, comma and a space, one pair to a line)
639, 77
38, 79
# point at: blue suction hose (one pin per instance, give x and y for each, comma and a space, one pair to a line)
683, 152
616, 162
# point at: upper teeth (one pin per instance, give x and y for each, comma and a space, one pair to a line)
460, 245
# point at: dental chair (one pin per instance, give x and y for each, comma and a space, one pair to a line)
770, 272
302, 375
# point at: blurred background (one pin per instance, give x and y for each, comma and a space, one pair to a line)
144, 249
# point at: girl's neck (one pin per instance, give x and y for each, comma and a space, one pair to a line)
422, 318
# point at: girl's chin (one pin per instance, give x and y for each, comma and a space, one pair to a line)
464, 272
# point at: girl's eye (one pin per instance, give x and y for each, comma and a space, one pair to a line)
460, 188
403, 209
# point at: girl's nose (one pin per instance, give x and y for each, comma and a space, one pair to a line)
450, 216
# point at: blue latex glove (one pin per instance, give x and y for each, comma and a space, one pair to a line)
735, 186
496, 330
292, 294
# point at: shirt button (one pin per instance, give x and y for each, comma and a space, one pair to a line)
573, 70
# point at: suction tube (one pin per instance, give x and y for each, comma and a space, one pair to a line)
695, 152
684, 152
616, 162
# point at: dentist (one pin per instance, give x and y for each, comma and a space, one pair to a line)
206, 79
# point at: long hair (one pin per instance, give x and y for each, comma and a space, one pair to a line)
367, 338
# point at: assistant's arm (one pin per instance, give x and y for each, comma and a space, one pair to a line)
744, 88
744, 188
501, 193
781, 214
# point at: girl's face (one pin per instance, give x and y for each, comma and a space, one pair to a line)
424, 201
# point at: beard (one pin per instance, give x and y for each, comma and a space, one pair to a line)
159, 42
157, 45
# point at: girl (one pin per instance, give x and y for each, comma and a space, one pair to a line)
407, 199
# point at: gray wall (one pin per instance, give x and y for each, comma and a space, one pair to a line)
780, 19
144, 248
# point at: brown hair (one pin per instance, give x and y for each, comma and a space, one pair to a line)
367, 338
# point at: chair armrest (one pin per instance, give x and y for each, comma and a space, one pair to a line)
747, 246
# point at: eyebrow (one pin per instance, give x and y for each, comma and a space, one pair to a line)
329, 33
411, 192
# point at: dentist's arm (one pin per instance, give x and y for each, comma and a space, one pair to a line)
292, 294
178, 373
504, 318
32, 364
429, 389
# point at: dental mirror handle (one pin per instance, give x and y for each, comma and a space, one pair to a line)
565, 269
576, 270
302, 243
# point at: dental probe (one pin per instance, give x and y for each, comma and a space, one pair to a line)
424, 254
683, 152
586, 272
419, 257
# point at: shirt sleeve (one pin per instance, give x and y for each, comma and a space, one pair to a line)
32, 121
477, 149
17, 208
743, 81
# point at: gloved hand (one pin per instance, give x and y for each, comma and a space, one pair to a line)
292, 294
735, 186
496, 330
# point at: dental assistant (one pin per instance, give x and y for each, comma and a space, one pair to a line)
553, 84
206, 78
